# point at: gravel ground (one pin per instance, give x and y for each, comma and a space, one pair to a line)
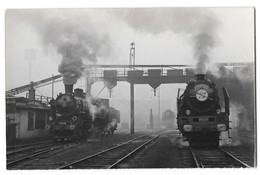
165, 152
245, 146
74, 152
28, 141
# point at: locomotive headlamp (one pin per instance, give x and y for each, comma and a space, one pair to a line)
72, 127
221, 127
202, 95
50, 118
218, 111
187, 112
187, 128
74, 118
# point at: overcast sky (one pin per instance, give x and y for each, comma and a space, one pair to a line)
161, 36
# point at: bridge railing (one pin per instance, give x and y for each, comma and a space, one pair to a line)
140, 71
41, 98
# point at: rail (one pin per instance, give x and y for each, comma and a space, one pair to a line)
33, 153
105, 158
216, 158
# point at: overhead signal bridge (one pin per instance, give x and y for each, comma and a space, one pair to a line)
154, 75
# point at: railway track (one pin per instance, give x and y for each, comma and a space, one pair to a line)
16, 157
16, 147
122, 131
21, 148
112, 157
22, 154
216, 158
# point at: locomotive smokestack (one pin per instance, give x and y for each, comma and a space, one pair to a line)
200, 76
79, 93
68, 88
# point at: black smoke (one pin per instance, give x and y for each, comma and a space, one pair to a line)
73, 35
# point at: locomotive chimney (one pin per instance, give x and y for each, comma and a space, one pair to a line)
68, 88
79, 92
200, 76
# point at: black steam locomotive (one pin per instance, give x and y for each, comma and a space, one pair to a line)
74, 116
200, 118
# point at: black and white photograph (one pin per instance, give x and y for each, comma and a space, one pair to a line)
130, 88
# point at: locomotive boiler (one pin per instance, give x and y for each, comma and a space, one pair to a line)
200, 117
74, 116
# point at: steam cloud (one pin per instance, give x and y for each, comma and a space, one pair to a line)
199, 24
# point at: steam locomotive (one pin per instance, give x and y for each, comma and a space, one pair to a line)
73, 116
200, 118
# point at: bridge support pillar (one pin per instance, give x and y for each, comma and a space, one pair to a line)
132, 131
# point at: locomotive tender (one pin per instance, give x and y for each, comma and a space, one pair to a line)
73, 116
200, 118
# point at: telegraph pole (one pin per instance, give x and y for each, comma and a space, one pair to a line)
159, 106
52, 87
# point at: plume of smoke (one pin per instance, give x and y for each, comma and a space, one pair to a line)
89, 106
203, 45
95, 110
95, 106
90, 79
197, 23
180, 142
236, 110
226, 141
240, 86
73, 35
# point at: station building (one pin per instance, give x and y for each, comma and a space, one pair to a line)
26, 119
